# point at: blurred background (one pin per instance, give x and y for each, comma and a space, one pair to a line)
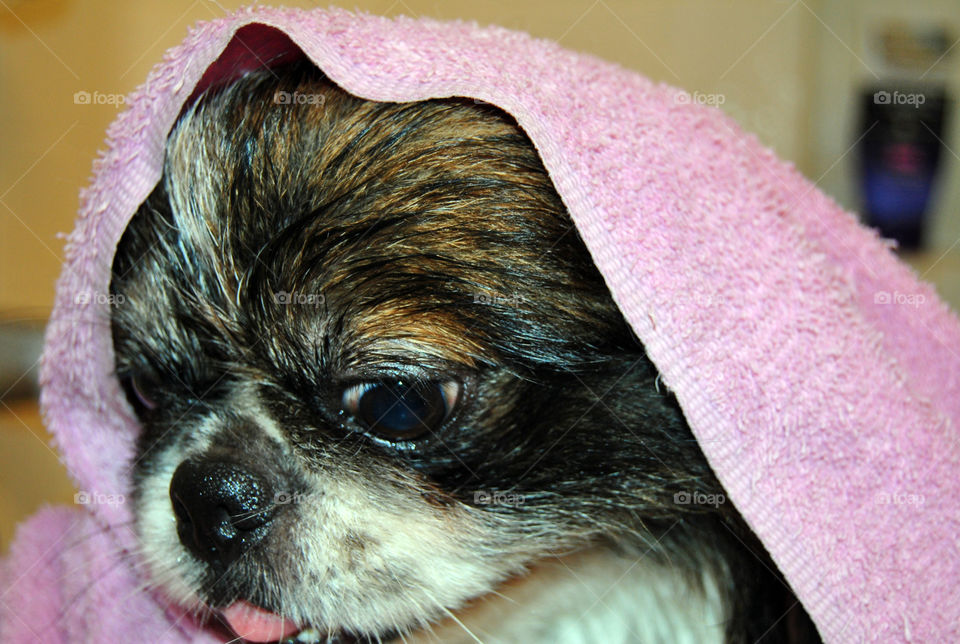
859, 94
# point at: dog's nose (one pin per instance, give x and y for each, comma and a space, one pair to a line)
222, 509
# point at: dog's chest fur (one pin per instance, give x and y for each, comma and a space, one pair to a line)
594, 596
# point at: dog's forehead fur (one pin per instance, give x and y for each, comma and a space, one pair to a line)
366, 248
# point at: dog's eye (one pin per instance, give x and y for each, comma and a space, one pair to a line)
400, 409
137, 388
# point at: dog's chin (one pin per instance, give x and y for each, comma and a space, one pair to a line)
561, 599
582, 596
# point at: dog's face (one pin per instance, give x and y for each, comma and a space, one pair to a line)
376, 370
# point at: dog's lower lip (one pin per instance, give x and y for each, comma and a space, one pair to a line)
255, 624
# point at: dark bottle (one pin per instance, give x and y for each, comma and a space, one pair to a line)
899, 158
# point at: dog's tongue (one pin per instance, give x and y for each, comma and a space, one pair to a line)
255, 624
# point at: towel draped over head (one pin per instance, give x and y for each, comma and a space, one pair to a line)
820, 377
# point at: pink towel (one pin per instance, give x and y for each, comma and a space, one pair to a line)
818, 374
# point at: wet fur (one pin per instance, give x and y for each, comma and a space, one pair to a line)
293, 249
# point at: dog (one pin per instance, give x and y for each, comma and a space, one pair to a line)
384, 393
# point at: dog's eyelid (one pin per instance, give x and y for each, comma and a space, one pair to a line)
146, 382
139, 390
409, 370
138, 387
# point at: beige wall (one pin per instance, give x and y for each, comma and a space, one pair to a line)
756, 53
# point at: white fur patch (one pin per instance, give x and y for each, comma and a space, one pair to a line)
596, 596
